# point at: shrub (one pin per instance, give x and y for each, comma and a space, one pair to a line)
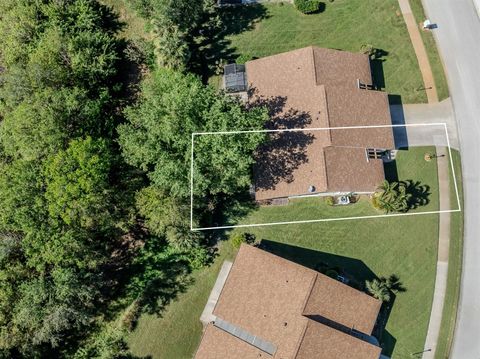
198, 257
376, 202
131, 314
238, 238
244, 58
308, 6
367, 49
330, 200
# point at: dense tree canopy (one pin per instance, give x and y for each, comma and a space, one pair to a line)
77, 183
94, 194
178, 25
158, 136
58, 65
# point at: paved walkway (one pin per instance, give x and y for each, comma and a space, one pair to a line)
420, 51
207, 314
435, 322
432, 113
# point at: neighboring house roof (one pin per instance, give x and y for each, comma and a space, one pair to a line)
218, 344
315, 88
276, 300
344, 305
321, 341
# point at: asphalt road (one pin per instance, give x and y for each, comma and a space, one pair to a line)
458, 38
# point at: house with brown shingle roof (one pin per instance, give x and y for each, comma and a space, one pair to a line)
316, 88
270, 307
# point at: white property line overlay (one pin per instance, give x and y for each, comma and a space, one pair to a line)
443, 124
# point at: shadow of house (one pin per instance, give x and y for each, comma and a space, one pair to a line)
398, 120
354, 267
313, 259
391, 171
377, 58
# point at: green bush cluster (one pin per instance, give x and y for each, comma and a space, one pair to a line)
238, 238
308, 6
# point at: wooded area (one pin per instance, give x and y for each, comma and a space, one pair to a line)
94, 169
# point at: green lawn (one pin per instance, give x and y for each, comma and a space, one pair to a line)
454, 270
345, 24
432, 51
135, 27
405, 246
177, 333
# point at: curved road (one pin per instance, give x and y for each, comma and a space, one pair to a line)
458, 39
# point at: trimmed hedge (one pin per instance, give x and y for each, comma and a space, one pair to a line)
308, 6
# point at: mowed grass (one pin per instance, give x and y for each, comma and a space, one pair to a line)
345, 25
455, 257
405, 246
177, 332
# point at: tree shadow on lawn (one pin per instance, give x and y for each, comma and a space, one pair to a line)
345, 266
418, 193
214, 48
227, 210
151, 280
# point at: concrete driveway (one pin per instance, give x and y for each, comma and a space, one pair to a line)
440, 112
458, 38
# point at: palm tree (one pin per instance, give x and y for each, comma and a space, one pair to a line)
379, 289
391, 197
388, 187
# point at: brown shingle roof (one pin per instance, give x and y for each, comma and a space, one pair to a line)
262, 293
269, 297
340, 68
347, 167
321, 341
314, 88
353, 107
342, 304
218, 344
289, 164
